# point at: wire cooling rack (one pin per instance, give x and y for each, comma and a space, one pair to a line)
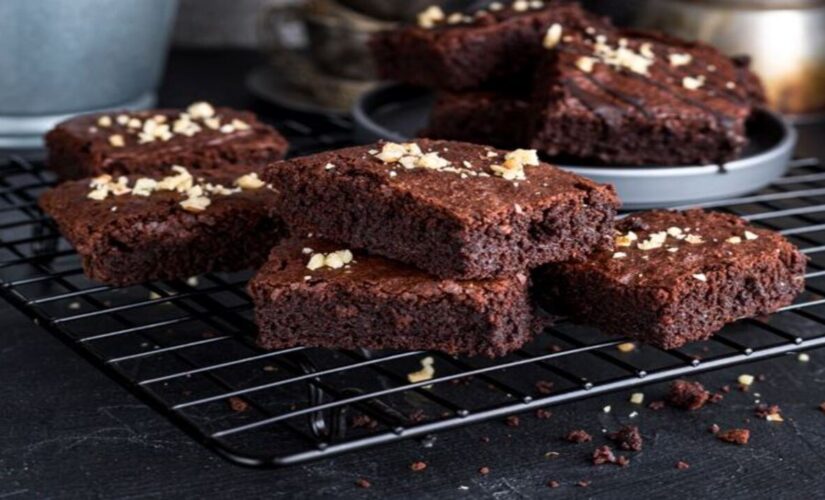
185, 348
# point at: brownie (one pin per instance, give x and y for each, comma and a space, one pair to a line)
498, 119
135, 229
313, 292
453, 209
678, 277
142, 142
460, 51
638, 98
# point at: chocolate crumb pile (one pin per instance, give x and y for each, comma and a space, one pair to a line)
627, 438
578, 436
734, 436
687, 395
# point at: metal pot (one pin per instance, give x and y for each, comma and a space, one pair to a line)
785, 39
62, 57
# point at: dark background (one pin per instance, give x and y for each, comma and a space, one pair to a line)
68, 431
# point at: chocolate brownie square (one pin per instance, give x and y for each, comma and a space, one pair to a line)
678, 277
135, 229
499, 119
461, 51
453, 209
143, 142
316, 293
637, 98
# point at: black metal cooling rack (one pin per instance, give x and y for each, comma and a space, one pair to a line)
184, 347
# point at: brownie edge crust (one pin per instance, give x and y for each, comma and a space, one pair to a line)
678, 277
376, 303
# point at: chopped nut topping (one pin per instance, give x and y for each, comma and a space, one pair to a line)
637, 398
117, 140
430, 16
213, 123
734, 240
495, 6
625, 240
195, 204
122, 119
226, 128
803, 357
455, 18
750, 236
585, 63
694, 239
514, 163
700, 277
306, 250
426, 372
680, 59
626, 347
646, 49
240, 124
333, 260
104, 121
730, 85
553, 36
692, 83
622, 57
619, 255
745, 379
249, 181
144, 187
201, 110
654, 241
521, 5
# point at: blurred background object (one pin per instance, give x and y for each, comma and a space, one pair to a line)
61, 57
784, 38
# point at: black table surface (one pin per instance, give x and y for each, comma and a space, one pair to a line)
68, 431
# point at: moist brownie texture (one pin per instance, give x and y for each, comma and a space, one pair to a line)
143, 142
498, 119
460, 51
678, 277
317, 293
628, 97
453, 209
136, 229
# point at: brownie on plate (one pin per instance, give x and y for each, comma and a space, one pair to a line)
636, 98
460, 51
453, 209
499, 119
139, 142
316, 293
134, 229
678, 277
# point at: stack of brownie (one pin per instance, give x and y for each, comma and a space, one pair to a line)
159, 194
549, 76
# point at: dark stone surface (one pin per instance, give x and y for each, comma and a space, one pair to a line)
67, 431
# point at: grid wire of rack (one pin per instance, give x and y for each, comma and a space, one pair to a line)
186, 349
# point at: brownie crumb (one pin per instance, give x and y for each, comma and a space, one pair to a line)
687, 395
543, 413
716, 397
513, 421
682, 465
578, 436
822, 407
725, 389
622, 461
553, 484
603, 455
583, 484
771, 413
656, 405
735, 436
418, 466
362, 483
628, 438
544, 387
238, 405
484, 471
714, 429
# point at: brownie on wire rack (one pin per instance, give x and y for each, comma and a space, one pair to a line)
315, 293
678, 277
